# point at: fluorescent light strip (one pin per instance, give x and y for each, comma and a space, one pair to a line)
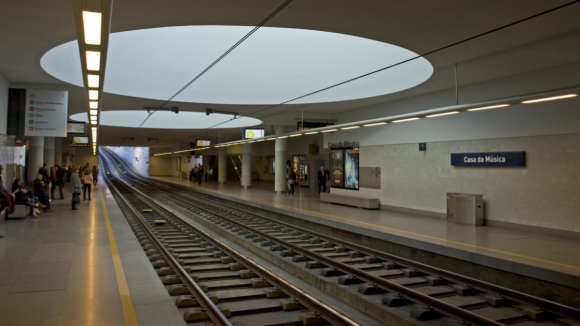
271, 139
295, 135
282, 137
403, 120
93, 60
93, 105
261, 140
442, 114
553, 98
330, 130
489, 107
375, 124
92, 27
347, 128
93, 81
311, 133
94, 112
93, 95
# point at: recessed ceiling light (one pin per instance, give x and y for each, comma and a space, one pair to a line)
93, 81
489, 107
281, 137
553, 98
93, 60
93, 117
330, 130
312, 133
261, 140
93, 112
347, 128
442, 114
375, 124
93, 95
403, 120
92, 27
93, 105
271, 139
295, 135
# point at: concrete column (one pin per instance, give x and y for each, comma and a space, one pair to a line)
35, 156
223, 165
246, 165
280, 155
58, 151
49, 151
280, 130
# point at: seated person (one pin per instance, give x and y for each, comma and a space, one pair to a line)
21, 198
41, 194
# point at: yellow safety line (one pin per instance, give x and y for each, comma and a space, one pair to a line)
124, 294
406, 232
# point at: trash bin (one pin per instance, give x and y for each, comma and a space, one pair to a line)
465, 208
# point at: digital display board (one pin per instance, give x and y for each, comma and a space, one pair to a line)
337, 168
202, 143
76, 128
253, 133
80, 140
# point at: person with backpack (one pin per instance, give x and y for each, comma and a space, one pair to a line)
95, 173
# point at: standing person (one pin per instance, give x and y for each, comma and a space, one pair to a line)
53, 183
200, 174
321, 179
3, 194
60, 180
75, 189
291, 181
191, 174
95, 175
209, 174
69, 172
87, 183
40, 193
326, 179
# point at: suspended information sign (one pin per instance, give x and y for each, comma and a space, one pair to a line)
46, 113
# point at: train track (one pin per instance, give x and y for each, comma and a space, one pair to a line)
388, 288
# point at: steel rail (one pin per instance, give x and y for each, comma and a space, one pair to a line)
508, 293
213, 312
514, 295
328, 313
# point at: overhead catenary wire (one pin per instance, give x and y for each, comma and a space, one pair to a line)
233, 47
408, 60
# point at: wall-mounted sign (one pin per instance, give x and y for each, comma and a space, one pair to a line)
311, 125
76, 128
489, 159
422, 147
253, 133
343, 144
46, 113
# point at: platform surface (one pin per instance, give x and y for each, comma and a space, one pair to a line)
531, 253
58, 269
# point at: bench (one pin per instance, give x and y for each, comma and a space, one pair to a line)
368, 203
20, 211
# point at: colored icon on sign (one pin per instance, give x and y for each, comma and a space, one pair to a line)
31, 115
31, 122
31, 108
31, 128
31, 102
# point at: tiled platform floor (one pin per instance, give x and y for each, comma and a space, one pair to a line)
57, 269
515, 249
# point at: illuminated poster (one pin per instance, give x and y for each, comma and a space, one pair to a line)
337, 168
46, 113
351, 168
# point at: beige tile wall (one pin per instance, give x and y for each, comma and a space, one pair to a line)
546, 193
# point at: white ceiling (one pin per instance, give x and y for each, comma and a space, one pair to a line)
29, 28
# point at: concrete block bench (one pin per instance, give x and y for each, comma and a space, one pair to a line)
368, 203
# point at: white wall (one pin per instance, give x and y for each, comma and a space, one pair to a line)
136, 157
4, 85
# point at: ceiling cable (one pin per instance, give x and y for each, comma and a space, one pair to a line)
410, 59
262, 23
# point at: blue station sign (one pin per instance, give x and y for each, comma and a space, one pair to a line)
489, 159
